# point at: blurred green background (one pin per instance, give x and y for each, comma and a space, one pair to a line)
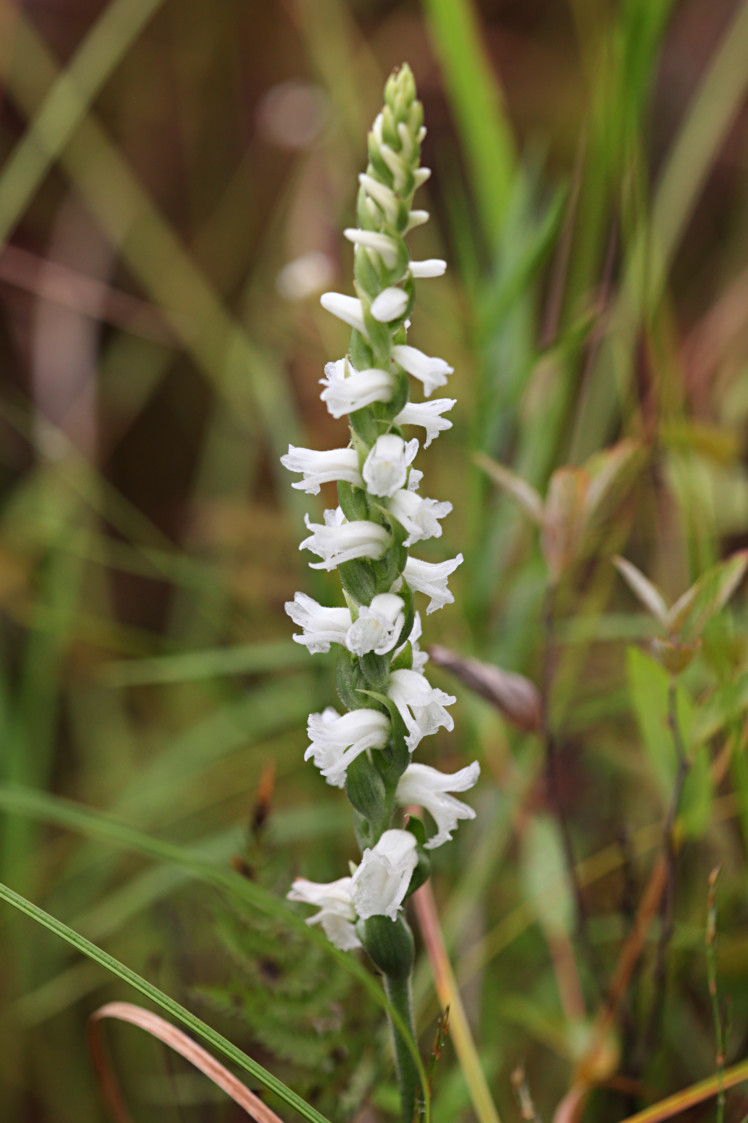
175, 179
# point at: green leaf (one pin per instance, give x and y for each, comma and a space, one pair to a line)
691, 613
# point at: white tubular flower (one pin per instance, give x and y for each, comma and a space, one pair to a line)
347, 389
381, 881
386, 467
432, 267
419, 516
323, 467
428, 415
383, 196
378, 626
416, 218
430, 578
389, 305
346, 308
339, 542
337, 914
385, 246
337, 739
428, 788
430, 371
420, 705
322, 626
396, 164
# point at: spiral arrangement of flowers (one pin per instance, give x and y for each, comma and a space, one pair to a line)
390, 703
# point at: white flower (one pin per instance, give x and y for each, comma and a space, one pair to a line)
347, 389
389, 305
433, 267
386, 467
383, 196
385, 246
346, 308
337, 914
430, 578
322, 626
378, 625
430, 371
322, 467
381, 881
420, 705
428, 415
337, 739
416, 218
338, 542
428, 788
395, 163
419, 516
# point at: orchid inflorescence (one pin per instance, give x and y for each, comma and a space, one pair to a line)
381, 514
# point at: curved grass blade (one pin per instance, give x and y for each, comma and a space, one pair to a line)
64, 813
176, 1011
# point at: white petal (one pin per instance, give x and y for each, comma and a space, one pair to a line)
429, 788
381, 881
431, 371
432, 267
420, 705
385, 246
322, 626
378, 625
389, 305
385, 469
416, 218
382, 195
418, 515
346, 308
347, 389
428, 415
326, 466
337, 914
344, 542
431, 578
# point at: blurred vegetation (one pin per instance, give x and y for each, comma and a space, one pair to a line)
174, 180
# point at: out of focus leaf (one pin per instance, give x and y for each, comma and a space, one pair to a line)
691, 612
513, 695
648, 593
519, 489
564, 514
544, 877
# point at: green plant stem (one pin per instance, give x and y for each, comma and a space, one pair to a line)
711, 963
398, 991
669, 850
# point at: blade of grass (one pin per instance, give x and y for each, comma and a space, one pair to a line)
50, 809
151, 247
478, 105
174, 1009
67, 103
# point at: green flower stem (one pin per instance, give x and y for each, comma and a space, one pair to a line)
398, 991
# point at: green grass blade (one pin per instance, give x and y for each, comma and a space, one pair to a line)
67, 103
478, 105
64, 813
176, 1011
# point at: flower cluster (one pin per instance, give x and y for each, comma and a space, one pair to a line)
390, 703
